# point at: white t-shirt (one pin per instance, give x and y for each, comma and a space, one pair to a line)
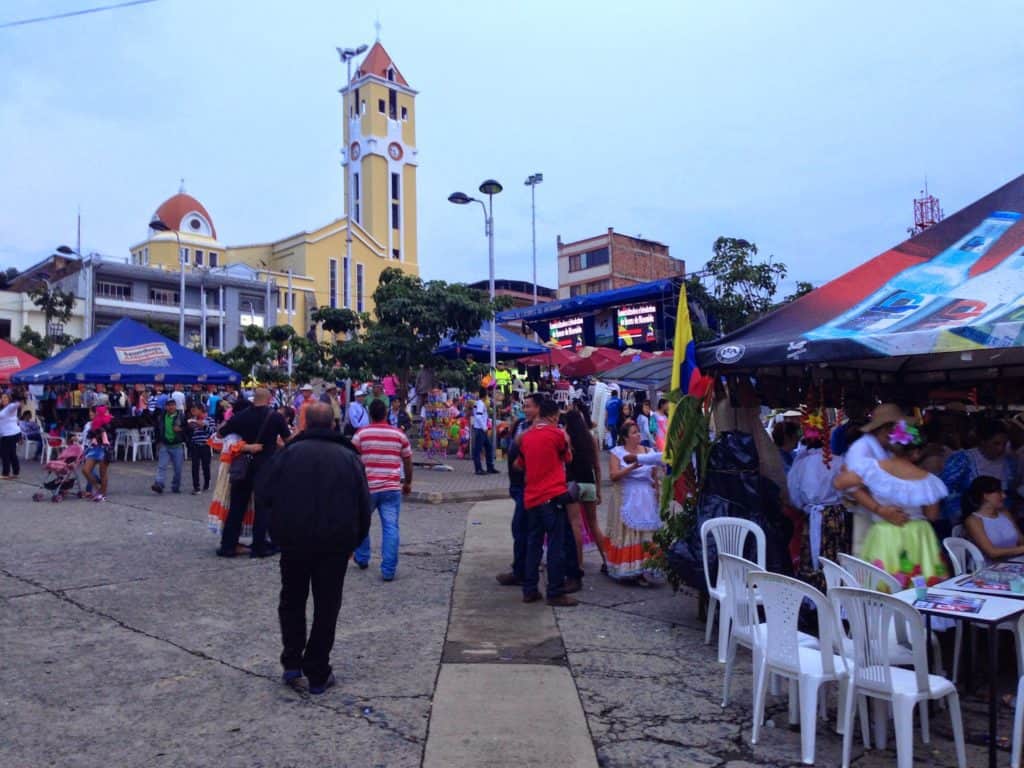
9, 420
863, 450
480, 415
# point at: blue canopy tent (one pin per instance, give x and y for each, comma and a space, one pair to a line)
508, 345
129, 353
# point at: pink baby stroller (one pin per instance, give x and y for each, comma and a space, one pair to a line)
62, 474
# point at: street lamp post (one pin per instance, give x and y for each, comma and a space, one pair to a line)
90, 299
158, 226
490, 188
532, 183
346, 55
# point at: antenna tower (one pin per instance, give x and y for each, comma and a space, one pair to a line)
927, 212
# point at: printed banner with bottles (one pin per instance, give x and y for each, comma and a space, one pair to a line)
956, 287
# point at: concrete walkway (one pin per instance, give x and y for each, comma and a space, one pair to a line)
504, 694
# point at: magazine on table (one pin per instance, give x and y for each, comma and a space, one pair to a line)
998, 577
950, 603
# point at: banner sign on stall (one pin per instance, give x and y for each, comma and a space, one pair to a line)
154, 353
637, 324
952, 297
9, 363
568, 333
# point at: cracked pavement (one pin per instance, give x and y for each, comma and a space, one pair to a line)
126, 642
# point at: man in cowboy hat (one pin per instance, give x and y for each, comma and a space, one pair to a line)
308, 399
872, 445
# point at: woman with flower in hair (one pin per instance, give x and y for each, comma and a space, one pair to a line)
811, 482
901, 539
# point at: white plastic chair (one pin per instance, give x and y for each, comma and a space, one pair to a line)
736, 613
781, 650
52, 447
967, 558
730, 536
142, 444
1018, 712
869, 613
122, 440
870, 576
963, 554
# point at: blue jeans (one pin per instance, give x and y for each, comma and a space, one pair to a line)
175, 454
482, 444
551, 519
519, 532
388, 504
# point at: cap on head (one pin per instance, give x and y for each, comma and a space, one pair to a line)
306, 388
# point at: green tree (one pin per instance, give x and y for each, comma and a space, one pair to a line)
742, 287
164, 329
411, 319
57, 307
335, 320
802, 289
31, 342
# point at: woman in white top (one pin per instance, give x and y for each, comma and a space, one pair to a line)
633, 514
990, 526
10, 434
901, 539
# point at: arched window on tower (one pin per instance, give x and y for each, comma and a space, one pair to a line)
391, 74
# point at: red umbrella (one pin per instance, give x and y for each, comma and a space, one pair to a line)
13, 360
554, 356
598, 360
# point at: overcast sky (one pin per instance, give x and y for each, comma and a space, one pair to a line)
806, 127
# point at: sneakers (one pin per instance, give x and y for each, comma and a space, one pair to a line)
508, 579
330, 682
291, 676
563, 601
362, 566
156, 488
195, 491
493, 471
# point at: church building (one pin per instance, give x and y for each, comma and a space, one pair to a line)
338, 264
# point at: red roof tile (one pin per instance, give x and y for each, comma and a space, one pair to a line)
377, 62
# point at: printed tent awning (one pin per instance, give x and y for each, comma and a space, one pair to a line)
945, 305
128, 353
507, 344
652, 373
13, 360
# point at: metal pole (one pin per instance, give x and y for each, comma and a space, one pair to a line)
266, 309
202, 313
181, 291
494, 356
350, 193
290, 301
220, 313
533, 224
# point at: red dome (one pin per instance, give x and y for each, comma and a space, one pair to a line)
174, 213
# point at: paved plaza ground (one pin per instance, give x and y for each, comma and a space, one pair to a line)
125, 642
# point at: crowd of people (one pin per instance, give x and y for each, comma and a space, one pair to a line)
888, 487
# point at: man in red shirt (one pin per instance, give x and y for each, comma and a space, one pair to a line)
386, 452
544, 450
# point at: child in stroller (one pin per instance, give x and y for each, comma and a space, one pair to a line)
62, 473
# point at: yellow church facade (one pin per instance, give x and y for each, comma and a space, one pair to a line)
339, 264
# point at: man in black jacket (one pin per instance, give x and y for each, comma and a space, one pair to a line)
320, 511
259, 426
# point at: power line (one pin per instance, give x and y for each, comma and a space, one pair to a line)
97, 9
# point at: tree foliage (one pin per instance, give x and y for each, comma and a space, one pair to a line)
411, 318
740, 286
802, 289
33, 343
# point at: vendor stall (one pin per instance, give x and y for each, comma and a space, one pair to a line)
944, 308
127, 352
508, 345
13, 360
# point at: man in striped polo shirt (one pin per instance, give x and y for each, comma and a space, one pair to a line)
385, 451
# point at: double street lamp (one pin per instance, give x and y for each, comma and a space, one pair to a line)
490, 188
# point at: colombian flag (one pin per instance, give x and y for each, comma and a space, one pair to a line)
685, 373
